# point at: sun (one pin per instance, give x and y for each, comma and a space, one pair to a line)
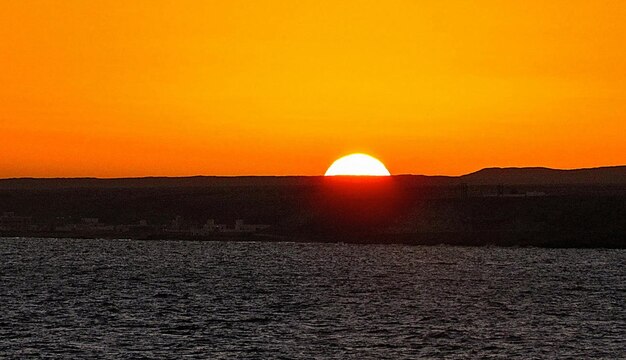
357, 165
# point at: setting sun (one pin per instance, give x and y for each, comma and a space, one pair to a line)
357, 165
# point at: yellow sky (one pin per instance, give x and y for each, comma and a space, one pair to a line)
137, 88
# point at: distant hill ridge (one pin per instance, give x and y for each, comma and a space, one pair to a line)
151, 182
609, 175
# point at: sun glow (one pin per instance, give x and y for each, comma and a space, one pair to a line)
357, 165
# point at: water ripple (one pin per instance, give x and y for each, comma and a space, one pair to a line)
168, 299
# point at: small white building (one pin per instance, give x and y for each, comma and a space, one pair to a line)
241, 227
211, 226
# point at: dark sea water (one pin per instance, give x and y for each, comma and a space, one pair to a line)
175, 299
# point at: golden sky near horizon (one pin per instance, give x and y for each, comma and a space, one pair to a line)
139, 88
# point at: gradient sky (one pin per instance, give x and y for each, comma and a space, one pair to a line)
139, 88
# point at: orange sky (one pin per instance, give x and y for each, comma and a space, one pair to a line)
136, 88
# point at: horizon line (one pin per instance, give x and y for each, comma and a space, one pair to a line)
286, 176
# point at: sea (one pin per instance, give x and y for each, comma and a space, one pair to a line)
116, 299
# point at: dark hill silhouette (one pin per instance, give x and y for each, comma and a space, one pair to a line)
153, 182
511, 206
613, 175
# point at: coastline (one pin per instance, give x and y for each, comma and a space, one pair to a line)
540, 239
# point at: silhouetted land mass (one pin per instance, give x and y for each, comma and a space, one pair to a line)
505, 207
613, 175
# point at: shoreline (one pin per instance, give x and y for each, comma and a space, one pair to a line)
539, 239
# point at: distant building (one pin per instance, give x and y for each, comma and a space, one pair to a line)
8, 222
241, 227
211, 226
88, 225
177, 223
535, 193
